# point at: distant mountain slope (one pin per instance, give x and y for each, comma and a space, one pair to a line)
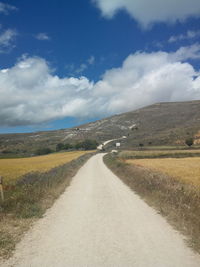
161, 123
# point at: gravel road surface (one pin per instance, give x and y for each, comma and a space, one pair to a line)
99, 222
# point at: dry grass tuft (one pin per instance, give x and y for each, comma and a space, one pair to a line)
11, 232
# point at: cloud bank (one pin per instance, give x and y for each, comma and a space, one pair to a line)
30, 93
147, 12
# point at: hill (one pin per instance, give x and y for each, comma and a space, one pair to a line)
158, 124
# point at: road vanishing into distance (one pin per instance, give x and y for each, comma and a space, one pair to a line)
101, 146
99, 222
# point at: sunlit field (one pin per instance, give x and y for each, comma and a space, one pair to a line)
159, 153
184, 169
12, 169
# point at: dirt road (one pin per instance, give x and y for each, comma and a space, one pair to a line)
97, 222
100, 147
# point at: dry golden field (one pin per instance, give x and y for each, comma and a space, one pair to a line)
170, 185
183, 169
12, 169
157, 153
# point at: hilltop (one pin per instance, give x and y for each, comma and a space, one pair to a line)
158, 124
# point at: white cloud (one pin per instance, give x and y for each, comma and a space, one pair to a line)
31, 93
42, 36
6, 40
187, 36
84, 66
187, 52
147, 12
81, 68
6, 8
146, 78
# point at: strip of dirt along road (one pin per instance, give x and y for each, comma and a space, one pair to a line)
99, 221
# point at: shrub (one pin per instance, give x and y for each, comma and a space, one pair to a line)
78, 145
68, 146
60, 146
189, 141
44, 151
87, 144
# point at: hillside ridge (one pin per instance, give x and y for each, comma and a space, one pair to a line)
157, 124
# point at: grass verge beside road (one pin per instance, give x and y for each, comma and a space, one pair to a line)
176, 200
28, 199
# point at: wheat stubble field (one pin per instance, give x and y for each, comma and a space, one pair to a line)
158, 153
183, 169
13, 169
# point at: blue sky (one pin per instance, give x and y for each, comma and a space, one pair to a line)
67, 62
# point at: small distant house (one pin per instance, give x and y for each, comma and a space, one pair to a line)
118, 144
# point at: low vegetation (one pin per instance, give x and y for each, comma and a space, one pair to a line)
87, 144
44, 151
175, 197
27, 197
189, 141
44, 147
